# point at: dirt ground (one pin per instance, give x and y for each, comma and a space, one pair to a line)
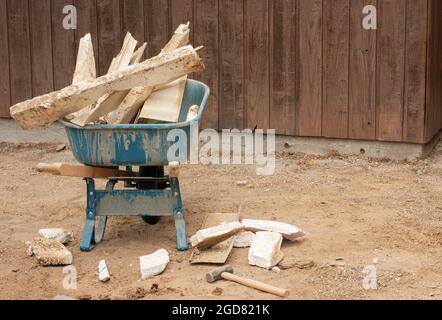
356, 212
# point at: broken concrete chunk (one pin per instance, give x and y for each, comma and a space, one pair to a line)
56, 233
154, 264
206, 238
265, 251
103, 272
50, 252
243, 239
288, 231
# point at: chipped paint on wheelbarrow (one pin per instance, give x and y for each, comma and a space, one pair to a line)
133, 144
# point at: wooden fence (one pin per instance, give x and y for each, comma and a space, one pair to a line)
303, 67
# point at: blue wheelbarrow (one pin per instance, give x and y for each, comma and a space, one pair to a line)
151, 193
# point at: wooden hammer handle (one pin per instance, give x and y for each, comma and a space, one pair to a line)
255, 284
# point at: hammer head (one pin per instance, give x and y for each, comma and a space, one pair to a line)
215, 275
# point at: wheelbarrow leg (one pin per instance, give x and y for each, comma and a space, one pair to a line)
93, 233
88, 238
178, 214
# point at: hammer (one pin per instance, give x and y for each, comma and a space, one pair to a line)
226, 273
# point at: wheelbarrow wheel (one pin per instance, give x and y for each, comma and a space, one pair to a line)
151, 220
152, 172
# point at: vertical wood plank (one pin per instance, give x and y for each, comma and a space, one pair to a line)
157, 25
87, 23
231, 96
41, 47
5, 93
336, 35
182, 11
257, 98
415, 71
283, 65
433, 117
362, 92
309, 61
19, 51
206, 32
110, 37
63, 46
390, 72
133, 19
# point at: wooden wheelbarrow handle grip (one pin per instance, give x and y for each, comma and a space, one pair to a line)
82, 171
255, 284
53, 168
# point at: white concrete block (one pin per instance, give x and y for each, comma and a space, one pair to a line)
288, 231
154, 264
265, 251
243, 239
56, 233
103, 272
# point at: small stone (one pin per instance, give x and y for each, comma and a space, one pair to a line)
290, 262
103, 272
276, 270
154, 264
217, 291
265, 251
60, 147
57, 233
242, 183
375, 260
243, 239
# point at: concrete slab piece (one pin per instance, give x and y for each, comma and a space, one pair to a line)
49, 252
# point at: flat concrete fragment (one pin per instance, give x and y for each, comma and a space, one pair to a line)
206, 238
103, 272
243, 239
218, 253
58, 234
50, 252
265, 251
154, 264
288, 231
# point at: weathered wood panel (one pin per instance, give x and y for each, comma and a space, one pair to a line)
110, 35
206, 32
20, 50
5, 92
63, 46
336, 33
309, 62
415, 71
390, 72
362, 86
433, 116
156, 15
87, 23
182, 11
41, 47
283, 22
304, 67
257, 97
133, 19
232, 73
